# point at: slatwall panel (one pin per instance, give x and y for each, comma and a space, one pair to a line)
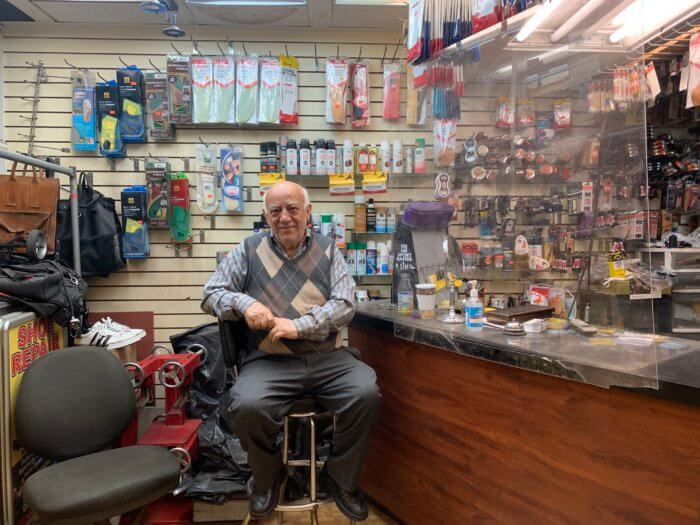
171, 286
168, 285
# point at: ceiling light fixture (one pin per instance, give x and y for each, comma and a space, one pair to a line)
544, 11
644, 17
154, 7
578, 17
173, 30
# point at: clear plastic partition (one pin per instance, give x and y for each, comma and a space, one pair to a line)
565, 141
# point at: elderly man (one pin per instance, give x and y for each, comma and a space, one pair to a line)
293, 289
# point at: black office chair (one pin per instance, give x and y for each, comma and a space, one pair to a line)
73, 404
304, 409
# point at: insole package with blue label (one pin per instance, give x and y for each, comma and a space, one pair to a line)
158, 108
131, 91
135, 222
108, 119
83, 131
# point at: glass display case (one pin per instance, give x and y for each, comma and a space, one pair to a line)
565, 140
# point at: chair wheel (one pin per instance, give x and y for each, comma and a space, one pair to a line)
37, 245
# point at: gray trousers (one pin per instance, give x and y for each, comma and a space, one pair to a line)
265, 390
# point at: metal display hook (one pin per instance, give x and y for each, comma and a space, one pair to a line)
154, 66
175, 49
316, 56
195, 47
286, 51
383, 56
359, 54
101, 77
220, 50
123, 63
245, 51
203, 143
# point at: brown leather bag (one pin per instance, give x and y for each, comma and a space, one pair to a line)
28, 203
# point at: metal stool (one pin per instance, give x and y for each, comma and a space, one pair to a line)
304, 408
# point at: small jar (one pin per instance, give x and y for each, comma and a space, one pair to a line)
487, 258
470, 256
498, 258
507, 259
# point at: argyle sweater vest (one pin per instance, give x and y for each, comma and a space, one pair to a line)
289, 288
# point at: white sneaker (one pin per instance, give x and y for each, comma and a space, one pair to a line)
110, 334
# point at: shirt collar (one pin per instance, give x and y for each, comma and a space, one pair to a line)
300, 249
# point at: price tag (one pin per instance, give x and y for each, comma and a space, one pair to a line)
374, 182
341, 184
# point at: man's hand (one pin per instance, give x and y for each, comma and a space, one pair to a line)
259, 317
283, 329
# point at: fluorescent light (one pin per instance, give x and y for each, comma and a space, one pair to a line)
578, 17
644, 17
537, 20
259, 3
379, 3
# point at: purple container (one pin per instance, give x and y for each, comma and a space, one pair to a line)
427, 215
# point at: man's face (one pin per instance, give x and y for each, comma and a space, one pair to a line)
286, 214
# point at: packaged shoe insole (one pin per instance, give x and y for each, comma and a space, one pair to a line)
108, 115
157, 186
205, 168
247, 82
179, 89
202, 71
224, 109
135, 243
289, 112
270, 78
337, 72
131, 101
231, 162
179, 218
391, 103
158, 109
83, 132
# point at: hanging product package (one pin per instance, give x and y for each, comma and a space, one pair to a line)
179, 89
337, 72
158, 108
205, 168
135, 223
445, 142
416, 10
179, 216
693, 97
202, 73
108, 115
157, 186
131, 101
247, 89
270, 81
360, 94
231, 169
391, 105
485, 13
83, 133
224, 108
289, 111
416, 95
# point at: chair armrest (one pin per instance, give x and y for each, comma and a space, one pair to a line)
232, 333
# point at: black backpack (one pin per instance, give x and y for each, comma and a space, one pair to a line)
48, 288
100, 233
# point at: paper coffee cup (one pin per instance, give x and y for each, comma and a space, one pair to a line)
426, 294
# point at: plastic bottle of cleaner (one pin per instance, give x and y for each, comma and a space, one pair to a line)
381, 219
386, 156
292, 161
404, 295
348, 157
330, 157
371, 258
304, 157
327, 224
351, 259
360, 214
339, 228
361, 250
475, 310
383, 264
363, 158
373, 158
320, 157
419, 156
391, 220
397, 157
391, 258
371, 216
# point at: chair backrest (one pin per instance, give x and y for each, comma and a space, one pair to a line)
73, 402
232, 333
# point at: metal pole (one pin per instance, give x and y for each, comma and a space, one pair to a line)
31, 161
74, 225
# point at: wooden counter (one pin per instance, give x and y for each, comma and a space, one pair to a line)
463, 440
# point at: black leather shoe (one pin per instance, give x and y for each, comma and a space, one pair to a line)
352, 504
262, 503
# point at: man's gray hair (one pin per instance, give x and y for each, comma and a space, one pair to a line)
304, 191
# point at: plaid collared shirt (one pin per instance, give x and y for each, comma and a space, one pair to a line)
225, 298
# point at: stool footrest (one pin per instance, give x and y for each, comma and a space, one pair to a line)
303, 463
303, 505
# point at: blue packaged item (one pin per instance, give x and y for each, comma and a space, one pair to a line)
108, 120
83, 132
131, 103
231, 179
135, 222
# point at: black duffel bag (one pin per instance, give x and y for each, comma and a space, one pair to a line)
48, 288
100, 233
